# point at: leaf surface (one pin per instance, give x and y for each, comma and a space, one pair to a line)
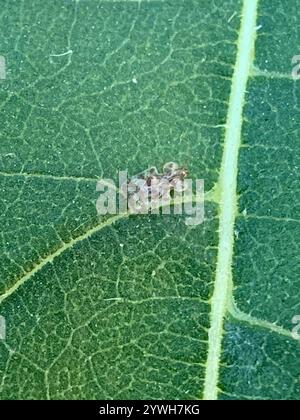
144, 307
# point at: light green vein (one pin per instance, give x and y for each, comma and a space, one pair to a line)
228, 195
256, 72
58, 252
237, 314
270, 218
49, 176
69, 245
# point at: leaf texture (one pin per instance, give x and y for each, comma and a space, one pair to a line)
145, 307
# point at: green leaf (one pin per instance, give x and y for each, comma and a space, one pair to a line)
145, 307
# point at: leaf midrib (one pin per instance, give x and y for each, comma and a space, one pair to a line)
227, 185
